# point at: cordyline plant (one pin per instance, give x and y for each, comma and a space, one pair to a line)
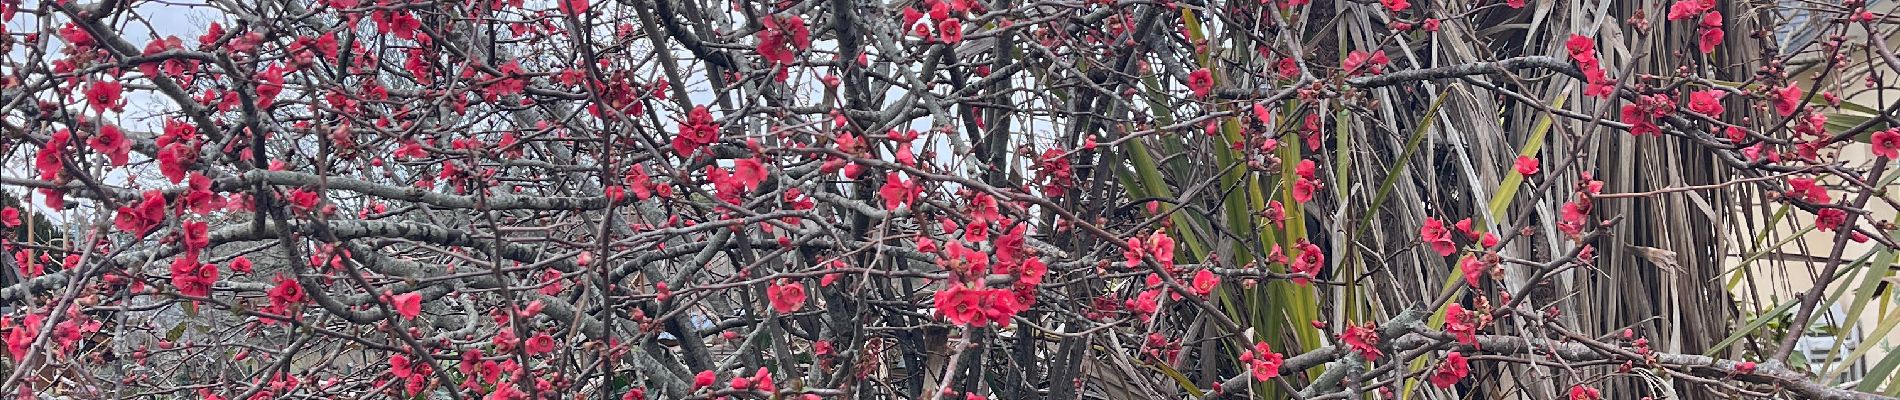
667, 199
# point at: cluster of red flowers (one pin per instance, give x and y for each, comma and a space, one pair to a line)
964, 305
1642, 114
1455, 369
1583, 50
1473, 267
779, 41
948, 27
968, 299
1263, 363
1308, 184
696, 132
1577, 211
192, 277
1363, 339
1433, 233
1709, 30
283, 297
1359, 62
1055, 172
1464, 324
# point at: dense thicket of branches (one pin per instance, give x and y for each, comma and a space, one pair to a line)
926, 199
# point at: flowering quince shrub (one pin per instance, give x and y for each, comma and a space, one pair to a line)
681, 199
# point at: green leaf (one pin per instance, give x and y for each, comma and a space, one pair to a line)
1882, 372
1179, 379
1864, 292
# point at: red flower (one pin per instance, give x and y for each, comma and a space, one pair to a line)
192, 278
1887, 143
1434, 234
1526, 165
241, 264
1204, 282
786, 296
21, 337
1275, 213
1581, 392
1829, 219
1581, 47
999, 305
147, 215
1308, 262
1056, 173
959, 304
1162, 247
104, 96
1787, 98
1685, 9
1363, 339
1600, 87
898, 192
1201, 81
1706, 102
286, 293
1396, 5
175, 158
781, 37
1711, 32
111, 142
193, 235
704, 379
696, 132
1464, 226
541, 343
1288, 68
725, 186
199, 197
409, 305
950, 30
1306, 169
1805, 189
1640, 121
1514, 4
749, 171
763, 381
10, 217
1032, 272
75, 36
1462, 324
50, 160
574, 7
1455, 368
1473, 270
1304, 189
